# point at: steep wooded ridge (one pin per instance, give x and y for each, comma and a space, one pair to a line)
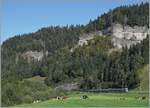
106, 53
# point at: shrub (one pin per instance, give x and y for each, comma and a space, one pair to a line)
27, 99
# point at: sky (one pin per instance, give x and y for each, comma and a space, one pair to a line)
26, 16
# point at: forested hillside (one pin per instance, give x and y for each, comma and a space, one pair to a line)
90, 66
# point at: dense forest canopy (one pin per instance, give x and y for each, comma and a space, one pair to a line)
91, 66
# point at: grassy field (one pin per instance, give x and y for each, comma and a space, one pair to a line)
96, 100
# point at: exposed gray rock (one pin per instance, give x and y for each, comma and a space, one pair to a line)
127, 36
85, 37
122, 36
33, 55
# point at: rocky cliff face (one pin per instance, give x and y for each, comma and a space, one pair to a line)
122, 36
85, 37
33, 55
127, 36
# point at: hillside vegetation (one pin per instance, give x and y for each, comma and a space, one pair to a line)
144, 79
91, 65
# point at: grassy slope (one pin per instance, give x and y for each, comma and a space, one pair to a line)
95, 100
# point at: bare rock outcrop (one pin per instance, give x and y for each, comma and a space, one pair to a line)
121, 36
85, 37
127, 36
33, 55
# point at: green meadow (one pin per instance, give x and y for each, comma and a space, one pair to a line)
129, 99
